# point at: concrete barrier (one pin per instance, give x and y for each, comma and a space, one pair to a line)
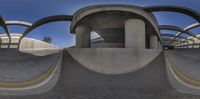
38, 52
113, 60
26, 43
40, 85
179, 80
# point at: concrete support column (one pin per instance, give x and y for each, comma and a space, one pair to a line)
135, 34
83, 37
153, 42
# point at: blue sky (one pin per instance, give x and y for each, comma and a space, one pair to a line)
32, 10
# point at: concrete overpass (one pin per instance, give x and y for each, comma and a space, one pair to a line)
128, 63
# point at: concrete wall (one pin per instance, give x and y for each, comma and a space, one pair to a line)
26, 43
113, 60
29, 43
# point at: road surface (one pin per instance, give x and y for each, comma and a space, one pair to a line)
77, 82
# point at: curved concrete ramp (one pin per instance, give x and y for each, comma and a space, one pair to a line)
183, 70
20, 75
113, 60
77, 82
